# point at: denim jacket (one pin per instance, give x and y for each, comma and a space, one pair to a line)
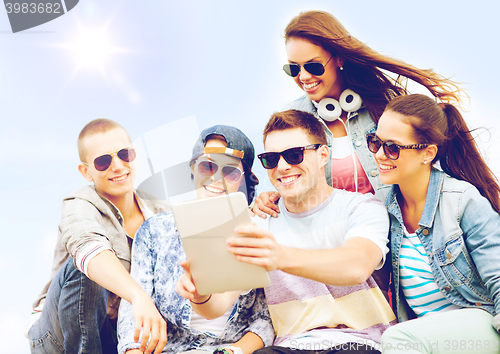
156, 254
460, 232
359, 123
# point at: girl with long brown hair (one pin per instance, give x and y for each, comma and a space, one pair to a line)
327, 62
445, 229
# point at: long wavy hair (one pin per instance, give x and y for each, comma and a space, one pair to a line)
458, 155
363, 66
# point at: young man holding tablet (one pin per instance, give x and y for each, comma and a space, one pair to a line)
320, 251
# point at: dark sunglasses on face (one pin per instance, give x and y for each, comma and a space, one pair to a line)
313, 68
391, 149
231, 174
102, 163
293, 156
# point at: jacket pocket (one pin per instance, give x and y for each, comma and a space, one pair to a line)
460, 271
455, 262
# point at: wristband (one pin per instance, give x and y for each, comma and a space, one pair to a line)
203, 302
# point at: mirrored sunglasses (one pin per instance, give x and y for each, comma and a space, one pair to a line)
102, 163
391, 149
313, 68
293, 156
231, 174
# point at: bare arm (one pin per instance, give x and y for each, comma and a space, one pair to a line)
106, 270
265, 204
350, 264
249, 343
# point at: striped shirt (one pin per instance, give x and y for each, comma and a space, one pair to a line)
417, 281
313, 315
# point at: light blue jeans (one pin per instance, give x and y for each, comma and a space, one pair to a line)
74, 318
457, 331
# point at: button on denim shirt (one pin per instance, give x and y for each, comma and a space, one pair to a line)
359, 123
156, 255
460, 232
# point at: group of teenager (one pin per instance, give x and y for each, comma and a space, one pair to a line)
366, 175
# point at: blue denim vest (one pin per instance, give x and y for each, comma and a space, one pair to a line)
460, 232
360, 123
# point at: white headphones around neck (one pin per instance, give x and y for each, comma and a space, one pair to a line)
329, 109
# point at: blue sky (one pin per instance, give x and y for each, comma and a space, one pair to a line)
219, 61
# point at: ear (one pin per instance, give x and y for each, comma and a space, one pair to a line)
323, 155
84, 170
430, 153
340, 61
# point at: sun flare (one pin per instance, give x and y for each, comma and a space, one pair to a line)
92, 48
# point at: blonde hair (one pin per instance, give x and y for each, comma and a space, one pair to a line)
96, 126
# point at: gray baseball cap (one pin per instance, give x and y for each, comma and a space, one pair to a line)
238, 144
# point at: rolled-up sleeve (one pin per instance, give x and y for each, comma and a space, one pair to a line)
82, 231
260, 321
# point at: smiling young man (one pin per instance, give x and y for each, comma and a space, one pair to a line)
320, 251
92, 257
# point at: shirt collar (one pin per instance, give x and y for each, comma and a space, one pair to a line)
145, 210
431, 200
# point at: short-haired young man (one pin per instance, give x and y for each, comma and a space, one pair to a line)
97, 226
320, 251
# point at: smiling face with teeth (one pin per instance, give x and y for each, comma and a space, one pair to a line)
410, 166
300, 51
118, 180
301, 186
208, 187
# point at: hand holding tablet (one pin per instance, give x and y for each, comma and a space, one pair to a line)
204, 225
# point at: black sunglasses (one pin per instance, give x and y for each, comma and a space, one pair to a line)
391, 149
313, 68
232, 174
293, 156
102, 163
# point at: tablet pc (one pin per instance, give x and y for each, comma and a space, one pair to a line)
203, 226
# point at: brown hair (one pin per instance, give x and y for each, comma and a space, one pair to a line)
362, 66
443, 125
96, 126
293, 118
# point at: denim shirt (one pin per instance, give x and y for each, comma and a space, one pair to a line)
460, 232
156, 254
359, 123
